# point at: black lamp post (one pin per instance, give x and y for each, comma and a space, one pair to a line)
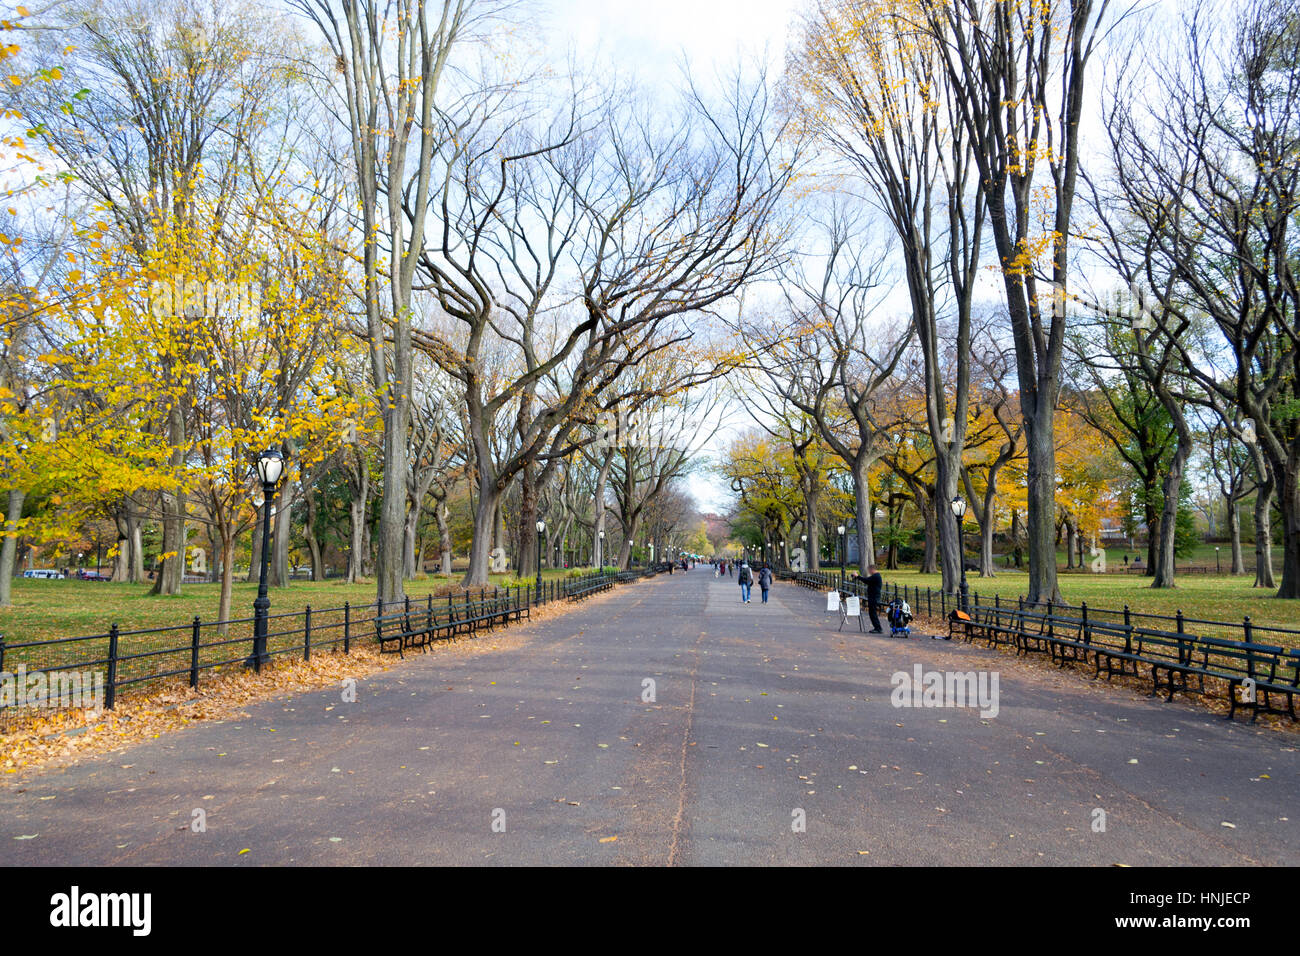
270, 466
600, 549
959, 509
843, 549
541, 529
1217, 569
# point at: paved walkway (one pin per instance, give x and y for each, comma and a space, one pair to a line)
762, 715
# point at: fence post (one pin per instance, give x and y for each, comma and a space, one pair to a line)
429, 617
1083, 608
111, 689
306, 633
1246, 628
194, 653
943, 603
1128, 633
997, 601
928, 609
347, 627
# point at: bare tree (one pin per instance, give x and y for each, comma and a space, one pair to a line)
1204, 173
1017, 72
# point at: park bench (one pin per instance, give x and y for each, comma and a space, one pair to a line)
993, 624
583, 589
470, 616
402, 628
1263, 668
1064, 638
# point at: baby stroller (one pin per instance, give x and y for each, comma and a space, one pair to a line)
899, 614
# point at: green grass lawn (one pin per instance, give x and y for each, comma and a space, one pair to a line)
49, 609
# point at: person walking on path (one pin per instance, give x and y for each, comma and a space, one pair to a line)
764, 580
731, 569
875, 585
745, 580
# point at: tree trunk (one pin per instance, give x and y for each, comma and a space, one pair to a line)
485, 517
255, 555
444, 536
358, 509
528, 494
137, 550
1172, 488
281, 528
122, 559
171, 573
930, 560
864, 509
313, 543
951, 557
814, 527
9, 546
1041, 449
409, 529
1290, 505
1234, 533
227, 581
1071, 537
389, 586
1153, 531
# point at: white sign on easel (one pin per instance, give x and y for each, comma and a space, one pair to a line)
852, 606
832, 600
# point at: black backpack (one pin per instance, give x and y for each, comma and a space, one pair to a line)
745, 577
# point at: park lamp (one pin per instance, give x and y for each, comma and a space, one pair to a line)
959, 509
270, 466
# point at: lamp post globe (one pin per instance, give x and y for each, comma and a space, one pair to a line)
270, 467
959, 510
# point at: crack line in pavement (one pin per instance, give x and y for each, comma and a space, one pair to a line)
686, 742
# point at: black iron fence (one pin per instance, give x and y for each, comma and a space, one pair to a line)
117, 659
1250, 665
935, 602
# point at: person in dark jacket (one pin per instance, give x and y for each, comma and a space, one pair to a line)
764, 580
875, 585
745, 579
